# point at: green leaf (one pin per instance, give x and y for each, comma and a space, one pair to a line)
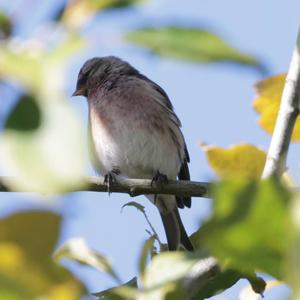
118, 3
258, 284
5, 25
25, 116
138, 206
57, 149
119, 292
168, 267
56, 143
27, 271
249, 227
225, 279
221, 282
162, 277
21, 66
147, 249
292, 270
77, 249
247, 293
191, 44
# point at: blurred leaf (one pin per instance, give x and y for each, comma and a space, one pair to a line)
146, 250
258, 285
247, 293
138, 206
269, 90
113, 293
288, 180
63, 51
25, 116
39, 70
5, 25
77, 249
242, 160
249, 228
191, 44
292, 268
79, 12
22, 62
57, 144
132, 282
164, 273
267, 102
27, 271
221, 282
58, 163
101, 4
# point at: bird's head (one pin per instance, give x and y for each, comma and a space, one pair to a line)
97, 70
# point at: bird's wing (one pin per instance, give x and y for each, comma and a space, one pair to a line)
184, 174
164, 101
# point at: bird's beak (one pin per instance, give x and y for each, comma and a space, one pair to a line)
79, 92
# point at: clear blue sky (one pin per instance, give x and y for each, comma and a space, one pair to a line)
212, 101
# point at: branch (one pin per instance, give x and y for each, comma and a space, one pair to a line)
133, 187
287, 115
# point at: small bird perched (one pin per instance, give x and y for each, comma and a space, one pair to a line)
135, 133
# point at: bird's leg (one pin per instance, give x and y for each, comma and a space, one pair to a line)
159, 179
110, 178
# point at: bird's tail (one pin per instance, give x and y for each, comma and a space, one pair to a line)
175, 231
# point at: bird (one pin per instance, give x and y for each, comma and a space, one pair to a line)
135, 133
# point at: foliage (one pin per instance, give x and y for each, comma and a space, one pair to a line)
238, 233
242, 160
269, 91
5, 25
34, 127
77, 13
254, 225
77, 250
27, 271
191, 44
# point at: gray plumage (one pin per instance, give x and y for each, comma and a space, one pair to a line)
135, 133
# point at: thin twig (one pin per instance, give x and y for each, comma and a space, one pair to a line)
287, 115
133, 187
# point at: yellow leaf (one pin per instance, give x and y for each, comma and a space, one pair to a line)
66, 290
242, 160
11, 257
269, 92
27, 271
79, 12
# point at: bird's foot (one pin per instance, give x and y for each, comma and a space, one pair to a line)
110, 179
159, 179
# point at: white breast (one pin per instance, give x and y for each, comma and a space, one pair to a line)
136, 152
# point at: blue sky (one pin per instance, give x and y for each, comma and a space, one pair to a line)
213, 102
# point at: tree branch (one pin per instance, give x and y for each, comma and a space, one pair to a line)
287, 115
134, 187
